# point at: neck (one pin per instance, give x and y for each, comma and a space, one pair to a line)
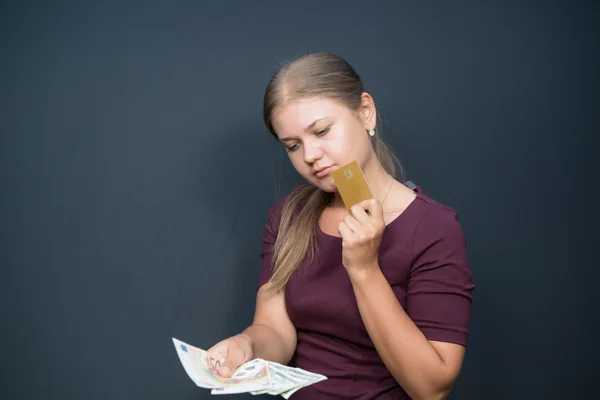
378, 179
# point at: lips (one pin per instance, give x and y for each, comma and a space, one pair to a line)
321, 172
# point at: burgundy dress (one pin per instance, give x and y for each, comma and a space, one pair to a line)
423, 256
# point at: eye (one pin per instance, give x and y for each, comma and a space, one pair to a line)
292, 147
323, 131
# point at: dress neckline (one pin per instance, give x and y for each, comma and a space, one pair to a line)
410, 206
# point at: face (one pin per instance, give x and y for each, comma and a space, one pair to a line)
321, 135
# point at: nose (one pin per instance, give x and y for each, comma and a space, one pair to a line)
312, 152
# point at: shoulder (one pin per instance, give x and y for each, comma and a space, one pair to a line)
436, 217
437, 228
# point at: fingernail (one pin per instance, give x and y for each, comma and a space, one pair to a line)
225, 371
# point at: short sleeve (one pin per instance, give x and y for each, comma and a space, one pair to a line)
268, 243
440, 287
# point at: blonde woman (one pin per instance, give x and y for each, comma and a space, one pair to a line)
377, 299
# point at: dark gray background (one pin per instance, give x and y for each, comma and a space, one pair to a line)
136, 175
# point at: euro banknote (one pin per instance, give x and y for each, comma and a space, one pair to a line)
257, 376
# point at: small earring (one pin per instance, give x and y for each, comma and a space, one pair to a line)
372, 132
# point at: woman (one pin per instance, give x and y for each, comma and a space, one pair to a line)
377, 299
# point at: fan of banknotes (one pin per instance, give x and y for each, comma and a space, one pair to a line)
256, 376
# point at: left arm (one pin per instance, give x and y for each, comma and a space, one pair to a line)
426, 369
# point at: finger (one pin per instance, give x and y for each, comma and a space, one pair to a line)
359, 213
216, 353
344, 231
230, 364
213, 362
352, 223
373, 206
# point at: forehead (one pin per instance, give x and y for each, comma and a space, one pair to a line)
296, 115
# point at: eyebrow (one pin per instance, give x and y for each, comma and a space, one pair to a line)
307, 128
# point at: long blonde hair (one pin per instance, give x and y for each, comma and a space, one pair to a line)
312, 74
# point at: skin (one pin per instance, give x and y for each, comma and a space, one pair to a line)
317, 133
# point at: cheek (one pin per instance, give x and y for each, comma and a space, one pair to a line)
336, 151
297, 160
341, 146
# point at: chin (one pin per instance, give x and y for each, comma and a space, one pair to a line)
326, 184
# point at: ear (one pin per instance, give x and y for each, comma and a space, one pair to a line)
367, 111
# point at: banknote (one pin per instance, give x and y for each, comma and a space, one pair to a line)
256, 376
194, 363
286, 378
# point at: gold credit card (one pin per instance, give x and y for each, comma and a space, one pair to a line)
351, 184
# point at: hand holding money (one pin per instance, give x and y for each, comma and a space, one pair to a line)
255, 376
226, 356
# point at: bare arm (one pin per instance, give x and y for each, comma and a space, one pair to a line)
425, 369
272, 334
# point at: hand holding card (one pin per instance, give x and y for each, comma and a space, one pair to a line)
361, 231
351, 184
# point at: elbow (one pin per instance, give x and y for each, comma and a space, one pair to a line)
441, 394
436, 395
432, 391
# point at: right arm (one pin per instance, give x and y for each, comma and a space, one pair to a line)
272, 335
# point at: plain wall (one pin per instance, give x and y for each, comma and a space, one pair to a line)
136, 175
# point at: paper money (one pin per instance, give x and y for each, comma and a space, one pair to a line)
256, 376
194, 362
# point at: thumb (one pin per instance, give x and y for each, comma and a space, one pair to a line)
232, 362
373, 206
